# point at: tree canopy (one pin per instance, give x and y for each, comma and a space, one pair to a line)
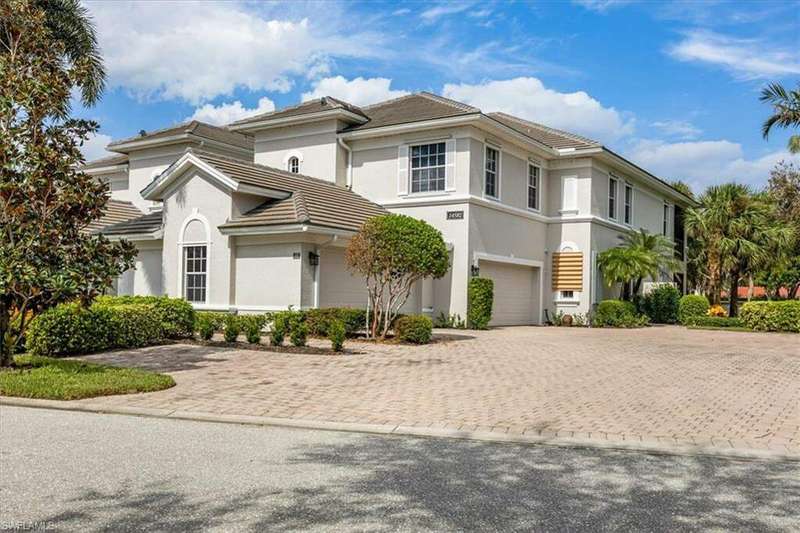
47, 254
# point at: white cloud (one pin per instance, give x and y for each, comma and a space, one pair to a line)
678, 128
745, 58
441, 10
358, 91
704, 163
226, 113
196, 51
601, 6
528, 98
95, 147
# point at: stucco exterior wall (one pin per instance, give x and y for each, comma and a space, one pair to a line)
569, 236
267, 276
145, 278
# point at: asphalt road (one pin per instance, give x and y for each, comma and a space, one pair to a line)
87, 472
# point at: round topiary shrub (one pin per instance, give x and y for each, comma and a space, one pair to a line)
336, 334
691, 306
480, 297
617, 314
662, 303
205, 327
232, 328
416, 329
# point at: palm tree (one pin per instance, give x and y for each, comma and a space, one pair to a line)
786, 107
625, 264
738, 232
71, 26
658, 247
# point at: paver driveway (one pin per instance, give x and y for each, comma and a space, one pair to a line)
663, 383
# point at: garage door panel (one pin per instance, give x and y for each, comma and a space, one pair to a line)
515, 293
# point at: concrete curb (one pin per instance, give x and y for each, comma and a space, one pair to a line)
651, 447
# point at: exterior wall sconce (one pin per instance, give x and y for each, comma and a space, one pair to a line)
475, 271
313, 259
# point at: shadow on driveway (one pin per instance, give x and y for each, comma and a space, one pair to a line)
164, 358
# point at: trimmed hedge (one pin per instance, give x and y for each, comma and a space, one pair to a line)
715, 322
691, 306
336, 334
232, 328
772, 315
661, 304
69, 329
319, 320
480, 296
416, 329
177, 316
617, 314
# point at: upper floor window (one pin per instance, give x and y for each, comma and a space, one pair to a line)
534, 186
627, 216
612, 198
428, 167
666, 222
492, 172
293, 165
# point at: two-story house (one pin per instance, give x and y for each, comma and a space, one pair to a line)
256, 216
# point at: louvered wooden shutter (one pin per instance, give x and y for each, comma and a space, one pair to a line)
402, 169
568, 271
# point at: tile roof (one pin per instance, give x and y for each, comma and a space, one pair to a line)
326, 103
551, 137
311, 201
110, 161
412, 108
142, 224
116, 211
195, 128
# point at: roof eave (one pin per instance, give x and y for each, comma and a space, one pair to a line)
126, 147
105, 170
233, 228
147, 236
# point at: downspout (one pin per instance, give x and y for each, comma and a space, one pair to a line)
349, 162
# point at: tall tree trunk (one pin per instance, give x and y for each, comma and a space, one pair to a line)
6, 343
733, 310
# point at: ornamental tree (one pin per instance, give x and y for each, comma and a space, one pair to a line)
47, 255
392, 252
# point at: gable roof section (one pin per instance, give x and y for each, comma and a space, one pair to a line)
192, 130
311, 201
325, 105
116, 211
556, 139
412, 108
147, 224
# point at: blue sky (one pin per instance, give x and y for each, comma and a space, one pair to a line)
672, 85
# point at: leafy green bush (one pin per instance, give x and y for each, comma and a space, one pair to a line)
134, 325
451, 321
70, 329
336, 334
215, 318
480, 296
232, 328
416, 329
205, 327
772, 315
177, 316
298, 331
278, 329
692, 305
618, 314
319, 320
715, 322
661, 304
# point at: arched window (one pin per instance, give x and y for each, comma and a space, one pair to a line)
293, 165
194, 247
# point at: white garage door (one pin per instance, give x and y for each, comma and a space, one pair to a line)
515, 293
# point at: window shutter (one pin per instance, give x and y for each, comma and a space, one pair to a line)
402, 169
568, 271
450, 168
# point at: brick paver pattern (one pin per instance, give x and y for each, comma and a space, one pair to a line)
665, 384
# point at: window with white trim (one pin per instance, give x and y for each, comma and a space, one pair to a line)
492, 172
627, 215
534, 186
567, 295
293, 165
612, 198
428, 167
195, 273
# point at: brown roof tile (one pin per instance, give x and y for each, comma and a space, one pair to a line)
412, 108
195, 128
142, 224
110, 161
312, 201
326, 103
548, 136
116, 211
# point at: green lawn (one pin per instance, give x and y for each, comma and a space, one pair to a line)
61, 379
